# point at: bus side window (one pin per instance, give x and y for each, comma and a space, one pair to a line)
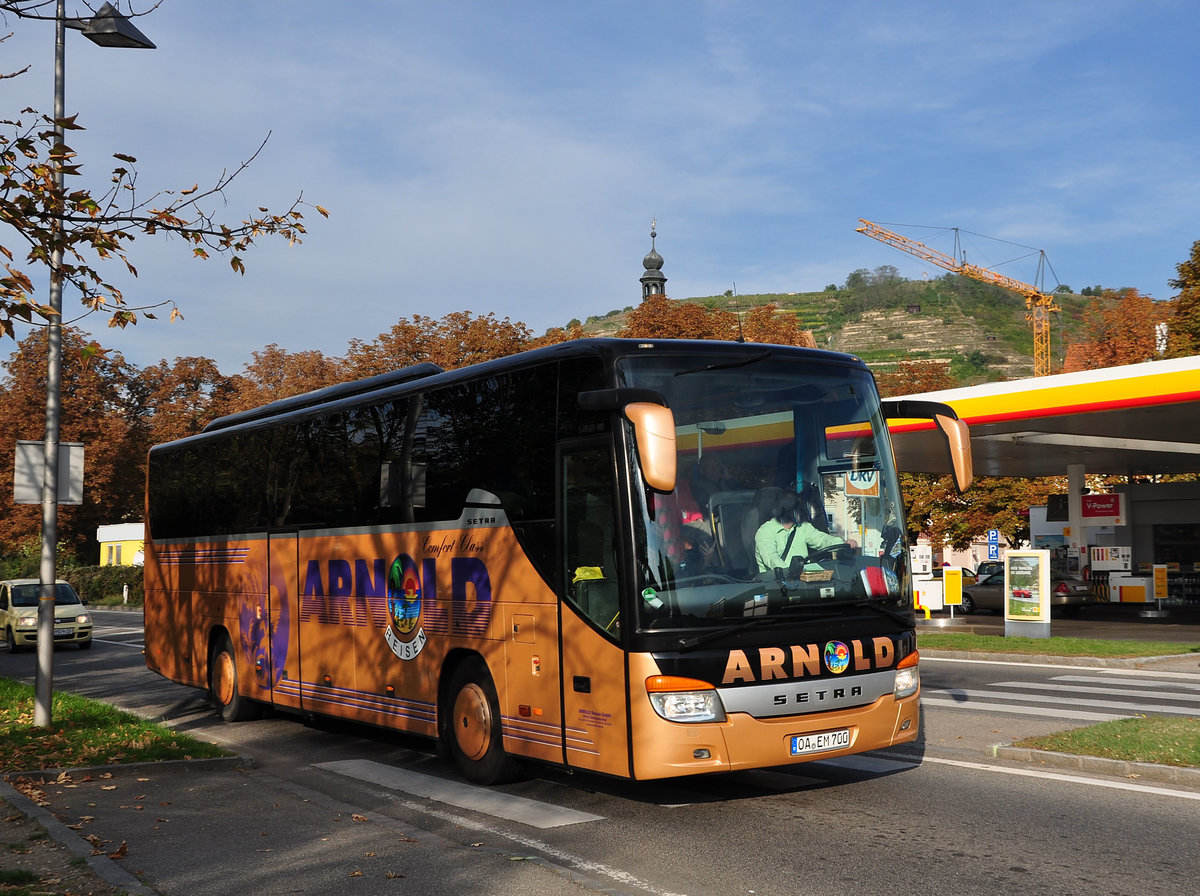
589, 529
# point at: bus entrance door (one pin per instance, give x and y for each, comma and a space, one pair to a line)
281, 671
595, 718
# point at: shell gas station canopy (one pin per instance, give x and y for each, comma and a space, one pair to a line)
1140, 419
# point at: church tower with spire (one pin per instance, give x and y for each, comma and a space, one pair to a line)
653, 280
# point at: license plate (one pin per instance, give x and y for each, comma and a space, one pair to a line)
63, 632
816, 743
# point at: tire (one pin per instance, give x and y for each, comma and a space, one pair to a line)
223, 684
472, 728
85, 645
11, 641
968, 604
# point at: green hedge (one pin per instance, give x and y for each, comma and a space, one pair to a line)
105, 585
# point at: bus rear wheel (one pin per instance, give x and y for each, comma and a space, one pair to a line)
472, 731
223, 684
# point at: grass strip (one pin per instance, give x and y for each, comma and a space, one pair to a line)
82, 733
1159, 739
1051, 646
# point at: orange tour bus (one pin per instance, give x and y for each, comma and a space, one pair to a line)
577, 555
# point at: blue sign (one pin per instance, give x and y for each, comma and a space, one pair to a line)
993, 552
993, 537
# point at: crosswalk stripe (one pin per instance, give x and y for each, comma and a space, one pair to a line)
1129, 708
1078, 689
1193, 684
454, 793
1014, 709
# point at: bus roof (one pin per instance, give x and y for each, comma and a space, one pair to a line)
607, 347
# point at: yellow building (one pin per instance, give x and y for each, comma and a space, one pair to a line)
121, 544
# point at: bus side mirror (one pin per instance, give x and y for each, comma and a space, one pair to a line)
954, 432
958, 441
654, 431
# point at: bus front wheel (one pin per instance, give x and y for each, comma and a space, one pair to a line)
472, 731
223, 683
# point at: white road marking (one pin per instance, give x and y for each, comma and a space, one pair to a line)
1050, 712
1192, 682
1126, 708
464, 796
1061, 688
1071, 779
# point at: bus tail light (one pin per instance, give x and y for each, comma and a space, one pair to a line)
684, 699
908, 676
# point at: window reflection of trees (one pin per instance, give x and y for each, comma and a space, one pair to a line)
405, 460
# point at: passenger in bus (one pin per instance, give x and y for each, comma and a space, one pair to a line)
709, 476
788, 534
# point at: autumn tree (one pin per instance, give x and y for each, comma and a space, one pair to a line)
1183, 327
764, 323
455, 340
935, 508
1118, 328
95, 411
913, 377
276, 373
172, 400
659, 317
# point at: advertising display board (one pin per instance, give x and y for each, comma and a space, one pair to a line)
1027, 594
952, 583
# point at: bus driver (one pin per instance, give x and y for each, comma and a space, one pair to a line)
788, 534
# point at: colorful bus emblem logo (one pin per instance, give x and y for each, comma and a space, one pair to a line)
404, 635
837, 657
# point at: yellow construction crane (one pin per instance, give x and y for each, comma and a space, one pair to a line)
1038, 305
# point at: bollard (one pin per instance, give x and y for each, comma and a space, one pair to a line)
125, 595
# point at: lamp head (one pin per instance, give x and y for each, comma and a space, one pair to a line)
109, 28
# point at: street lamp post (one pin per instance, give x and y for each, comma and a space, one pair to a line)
107, 28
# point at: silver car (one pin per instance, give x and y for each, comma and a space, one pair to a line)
1066, 595
19, 615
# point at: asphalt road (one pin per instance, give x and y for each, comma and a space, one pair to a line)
945, 817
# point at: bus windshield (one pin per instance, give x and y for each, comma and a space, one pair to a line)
786, 503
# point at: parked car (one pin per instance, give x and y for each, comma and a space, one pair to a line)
989, 567
968, 577
1066, 595
19, 615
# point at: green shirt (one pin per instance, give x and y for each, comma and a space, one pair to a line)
772, 536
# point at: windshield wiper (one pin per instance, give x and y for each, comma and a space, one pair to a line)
727, 365
869, 604
697, 640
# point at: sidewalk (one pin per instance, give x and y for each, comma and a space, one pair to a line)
220, 827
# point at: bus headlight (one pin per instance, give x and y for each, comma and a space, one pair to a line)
908, 676
684, 699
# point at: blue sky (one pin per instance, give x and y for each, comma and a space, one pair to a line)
508, 157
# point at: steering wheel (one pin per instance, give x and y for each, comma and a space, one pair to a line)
829, 553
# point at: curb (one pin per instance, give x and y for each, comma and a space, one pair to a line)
1127, 662
233, 763
1110, 768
